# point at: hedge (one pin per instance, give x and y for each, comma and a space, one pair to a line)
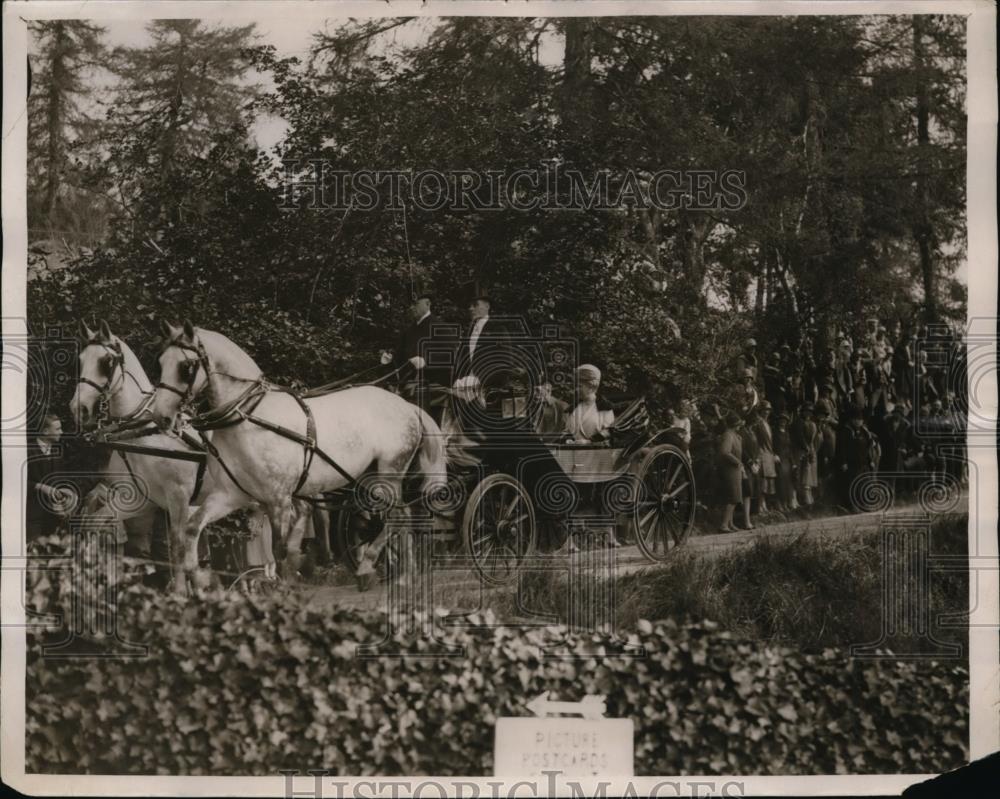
251, 685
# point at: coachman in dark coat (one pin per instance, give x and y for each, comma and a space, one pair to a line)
484, 351
426, 346
509, 442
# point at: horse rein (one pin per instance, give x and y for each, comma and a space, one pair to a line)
235, 412
106, 391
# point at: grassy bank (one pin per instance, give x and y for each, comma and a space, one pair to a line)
807, 591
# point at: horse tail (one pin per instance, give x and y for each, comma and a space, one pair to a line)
432, 459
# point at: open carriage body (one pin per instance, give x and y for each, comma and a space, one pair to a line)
510, 487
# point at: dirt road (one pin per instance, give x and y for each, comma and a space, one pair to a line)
627, 559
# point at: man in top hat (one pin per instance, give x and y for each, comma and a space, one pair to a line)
484, 351
418, 345
484, 362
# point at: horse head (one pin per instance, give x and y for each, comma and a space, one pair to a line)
184, 370
102, 373
190, 360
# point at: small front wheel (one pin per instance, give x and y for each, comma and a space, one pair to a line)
498, 528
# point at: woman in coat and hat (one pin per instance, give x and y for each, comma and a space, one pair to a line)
805, 440
751, 484
729, 473
587, 422
785, 464
765, 444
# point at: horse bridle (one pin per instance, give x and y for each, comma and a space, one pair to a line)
200, 362
104, 391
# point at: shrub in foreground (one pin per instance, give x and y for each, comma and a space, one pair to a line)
235, 685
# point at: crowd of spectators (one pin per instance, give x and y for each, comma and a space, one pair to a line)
798, 425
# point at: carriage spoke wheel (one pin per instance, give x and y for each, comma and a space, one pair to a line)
498, 528
663, 514
354, 531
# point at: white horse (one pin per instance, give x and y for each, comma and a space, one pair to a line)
111, 373
253, 460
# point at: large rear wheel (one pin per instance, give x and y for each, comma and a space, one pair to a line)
498, 528
663, 515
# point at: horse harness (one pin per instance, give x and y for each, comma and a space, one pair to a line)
133, 425
242, 409
116, 441
104, 391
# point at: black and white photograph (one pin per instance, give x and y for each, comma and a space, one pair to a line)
499, 399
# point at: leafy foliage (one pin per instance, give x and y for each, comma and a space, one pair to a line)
851, 204
251, 685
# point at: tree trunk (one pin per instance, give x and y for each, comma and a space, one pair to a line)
758, 307
768, 289
695, 227
577, 74
168, 142
922, 229
780, 266
55, 120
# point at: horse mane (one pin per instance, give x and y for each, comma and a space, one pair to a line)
229, 357
134, 365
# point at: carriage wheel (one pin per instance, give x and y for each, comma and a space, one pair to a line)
498, 528
663, 514
353, 531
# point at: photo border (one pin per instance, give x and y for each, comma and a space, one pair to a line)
984, 643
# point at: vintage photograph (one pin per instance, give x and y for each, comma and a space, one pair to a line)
585, 397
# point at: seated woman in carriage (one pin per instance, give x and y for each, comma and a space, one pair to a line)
588, 422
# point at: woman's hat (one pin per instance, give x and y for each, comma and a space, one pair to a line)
588, 372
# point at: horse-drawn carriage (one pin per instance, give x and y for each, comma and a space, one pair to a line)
506, 487
370, 458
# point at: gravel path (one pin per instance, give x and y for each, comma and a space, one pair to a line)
626, 559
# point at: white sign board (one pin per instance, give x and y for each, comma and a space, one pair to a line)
529, 747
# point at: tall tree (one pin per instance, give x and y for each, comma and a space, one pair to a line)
919, 62
187, 85
66, 51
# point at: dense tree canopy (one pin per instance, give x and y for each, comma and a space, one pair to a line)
850, 132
